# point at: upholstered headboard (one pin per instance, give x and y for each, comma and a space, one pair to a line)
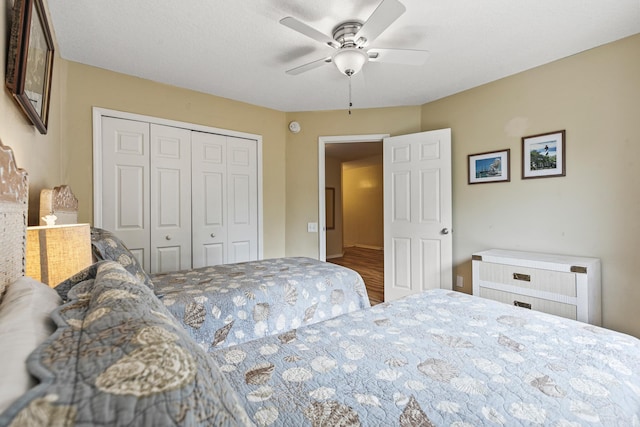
14, 196
61, 202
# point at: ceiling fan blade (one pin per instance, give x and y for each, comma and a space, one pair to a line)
308, 31
384, 15
399, 56
310, 66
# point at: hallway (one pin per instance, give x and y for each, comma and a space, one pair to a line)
370, 264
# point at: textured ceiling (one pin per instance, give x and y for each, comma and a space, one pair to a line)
238, 49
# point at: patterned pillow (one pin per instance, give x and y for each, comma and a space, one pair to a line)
106, 246
64, 287
119, 357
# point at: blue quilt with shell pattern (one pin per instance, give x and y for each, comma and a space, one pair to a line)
229, 304
440, 358
118, 357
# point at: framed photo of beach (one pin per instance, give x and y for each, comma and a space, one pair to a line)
543, 155
492, 166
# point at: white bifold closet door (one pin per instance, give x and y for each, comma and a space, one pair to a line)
209, 186
125, 184
179, 198
170, 212
242, 199
225, 197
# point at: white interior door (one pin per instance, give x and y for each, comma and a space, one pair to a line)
417, 213
170, 198
209, 195
242, 199
125, 184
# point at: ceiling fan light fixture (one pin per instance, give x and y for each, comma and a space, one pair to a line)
349, 61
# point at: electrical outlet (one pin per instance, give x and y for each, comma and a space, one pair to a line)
312, 227
459, 281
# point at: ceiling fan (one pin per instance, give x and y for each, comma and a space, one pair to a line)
352, 38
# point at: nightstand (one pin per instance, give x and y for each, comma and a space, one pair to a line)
566, 286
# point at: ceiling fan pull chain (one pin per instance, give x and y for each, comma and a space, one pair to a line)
350, 103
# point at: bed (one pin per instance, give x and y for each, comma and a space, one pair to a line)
117, 356
440, 358
229, 304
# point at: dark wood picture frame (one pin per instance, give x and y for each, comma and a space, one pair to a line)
330, 204
544, 155
490, 166
30, 61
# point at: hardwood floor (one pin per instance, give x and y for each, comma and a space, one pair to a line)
370, 264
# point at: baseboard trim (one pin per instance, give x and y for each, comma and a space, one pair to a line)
377, 248
335, 256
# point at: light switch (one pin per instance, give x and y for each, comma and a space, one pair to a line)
312, 227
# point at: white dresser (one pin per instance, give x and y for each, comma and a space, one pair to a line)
563, 285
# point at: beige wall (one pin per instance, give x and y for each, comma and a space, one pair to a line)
38, 154
302, 161
333, 179
89, 86
595, 209
362, 182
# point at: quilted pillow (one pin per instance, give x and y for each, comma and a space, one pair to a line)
106, 246
64, 287
119, 358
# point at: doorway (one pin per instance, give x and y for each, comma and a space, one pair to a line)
417, 209
323, 141
351, 220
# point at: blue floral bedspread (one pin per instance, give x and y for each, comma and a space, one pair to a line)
229, 304
440, 358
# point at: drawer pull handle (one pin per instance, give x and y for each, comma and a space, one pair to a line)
522, 304
524, 277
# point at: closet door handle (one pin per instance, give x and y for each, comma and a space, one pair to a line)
168, 237
213, 235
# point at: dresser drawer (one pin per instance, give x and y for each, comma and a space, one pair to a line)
552, 307
558, 282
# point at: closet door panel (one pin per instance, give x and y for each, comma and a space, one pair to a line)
125, 184
212, 254
209, 194
170, 199
242, 199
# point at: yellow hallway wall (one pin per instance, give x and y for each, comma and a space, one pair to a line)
594, 210
363, 203
333, 179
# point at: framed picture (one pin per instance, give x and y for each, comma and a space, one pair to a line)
543, 155
30, 61
492, 166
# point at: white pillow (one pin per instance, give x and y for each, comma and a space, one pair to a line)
25, 322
